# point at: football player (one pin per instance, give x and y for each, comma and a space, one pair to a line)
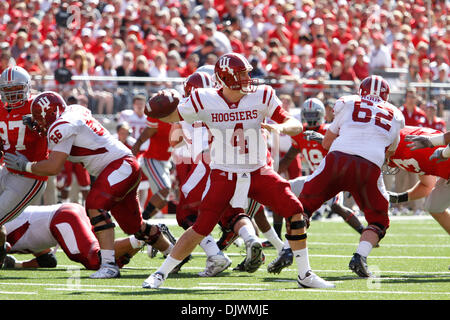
366, 129
74, 134
309, 144
420, 151
40, 228
234, 114
18, 188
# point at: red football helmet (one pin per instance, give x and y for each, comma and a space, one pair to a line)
197, 80
46, 108
232, 70
374, 86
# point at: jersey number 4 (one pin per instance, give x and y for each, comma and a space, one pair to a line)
364, 114
6, 127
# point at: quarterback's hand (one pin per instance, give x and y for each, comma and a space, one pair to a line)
418, 142
437, 154
312, 135
15, 161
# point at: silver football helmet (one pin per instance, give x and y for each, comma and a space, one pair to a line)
313, 112
15, 86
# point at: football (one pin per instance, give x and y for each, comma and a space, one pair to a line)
162, 104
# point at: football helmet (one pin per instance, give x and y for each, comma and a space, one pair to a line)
374, 86
46, 108
15, 86
197, 80
231, 71
313, 112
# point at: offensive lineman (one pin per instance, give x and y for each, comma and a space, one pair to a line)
74, 135
365, 130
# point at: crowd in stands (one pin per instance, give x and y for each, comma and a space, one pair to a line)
291, 39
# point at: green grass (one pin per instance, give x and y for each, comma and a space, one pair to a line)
411, 264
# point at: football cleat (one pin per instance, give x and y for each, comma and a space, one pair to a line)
240, 266
178, 267
166, 232
284, 259
215, 265
311, 280
267, 244
154, 281
151, 252
226, 239
9, 262
255, 255
106, 271
358, 264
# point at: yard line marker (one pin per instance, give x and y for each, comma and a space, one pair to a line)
20, 292
80, 289
383, 244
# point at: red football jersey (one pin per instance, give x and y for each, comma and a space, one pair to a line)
18, 137
416, 118
312, 151
159, 142
418, 160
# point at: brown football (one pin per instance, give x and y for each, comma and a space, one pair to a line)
162, 104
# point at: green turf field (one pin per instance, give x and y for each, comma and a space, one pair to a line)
412, 263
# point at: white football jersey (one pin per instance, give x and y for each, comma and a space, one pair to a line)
366, 127
85, 140
238, 143
137, 125
31, 229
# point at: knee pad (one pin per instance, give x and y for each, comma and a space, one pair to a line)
146, 236
47, 260
379, 229
104, 216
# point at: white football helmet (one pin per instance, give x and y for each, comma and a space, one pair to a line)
313, 112
209, 69
15, 86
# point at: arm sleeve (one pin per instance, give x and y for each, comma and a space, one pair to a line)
279, 115
338, 116
188, 110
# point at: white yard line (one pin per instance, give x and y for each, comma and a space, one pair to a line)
20, 292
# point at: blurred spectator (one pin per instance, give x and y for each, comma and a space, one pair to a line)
19, 45
380, 57
104, 89
191, 65
336, 70
207, 48
414, 116
361, 65
141, 70
126, 68
158, 70
432, 121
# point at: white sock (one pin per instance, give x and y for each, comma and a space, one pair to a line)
273, 238
135, 243
167, 251
168, 265
209, 245
302, 259
364, 248
247, 233
107, 256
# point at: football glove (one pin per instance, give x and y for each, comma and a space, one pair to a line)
438, 154
418, 142
312, 135
15, 162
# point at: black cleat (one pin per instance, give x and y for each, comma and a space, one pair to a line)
255, 256
226, 239
178, 267
358, 265
284, 259
240, 267
166, 232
